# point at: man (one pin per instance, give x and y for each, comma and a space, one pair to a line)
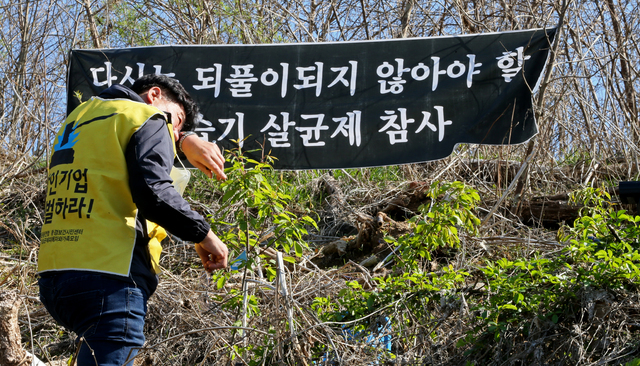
109, 174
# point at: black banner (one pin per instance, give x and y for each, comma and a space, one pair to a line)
347, 104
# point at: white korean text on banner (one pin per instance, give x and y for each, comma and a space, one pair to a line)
347, 104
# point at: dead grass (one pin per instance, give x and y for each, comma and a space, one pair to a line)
192, 322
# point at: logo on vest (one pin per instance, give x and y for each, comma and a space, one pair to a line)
63, 152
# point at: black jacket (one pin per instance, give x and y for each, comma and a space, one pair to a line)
150, 157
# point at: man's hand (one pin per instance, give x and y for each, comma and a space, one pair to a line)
213, 252
205, 156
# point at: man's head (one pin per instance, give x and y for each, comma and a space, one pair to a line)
168, 95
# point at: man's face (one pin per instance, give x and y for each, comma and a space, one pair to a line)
155, 97
177, 115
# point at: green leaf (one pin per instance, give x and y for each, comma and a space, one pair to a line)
289, 259
518, 298
509, 306
228, 194
220, 282
298, 249
370, 302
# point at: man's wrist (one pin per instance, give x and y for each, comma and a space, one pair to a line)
183, 136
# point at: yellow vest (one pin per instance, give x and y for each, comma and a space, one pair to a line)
90, 216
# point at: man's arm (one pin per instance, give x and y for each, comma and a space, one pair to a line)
213, 252
204, 155
149, 158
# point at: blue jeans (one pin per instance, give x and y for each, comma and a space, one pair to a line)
106, 314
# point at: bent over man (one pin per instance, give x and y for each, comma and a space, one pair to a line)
109, 174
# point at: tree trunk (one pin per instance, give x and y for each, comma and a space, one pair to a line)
11, 351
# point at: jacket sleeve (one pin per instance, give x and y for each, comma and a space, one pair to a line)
150, 158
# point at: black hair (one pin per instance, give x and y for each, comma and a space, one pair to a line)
174, 92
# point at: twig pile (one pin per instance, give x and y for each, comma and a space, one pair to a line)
192, 321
